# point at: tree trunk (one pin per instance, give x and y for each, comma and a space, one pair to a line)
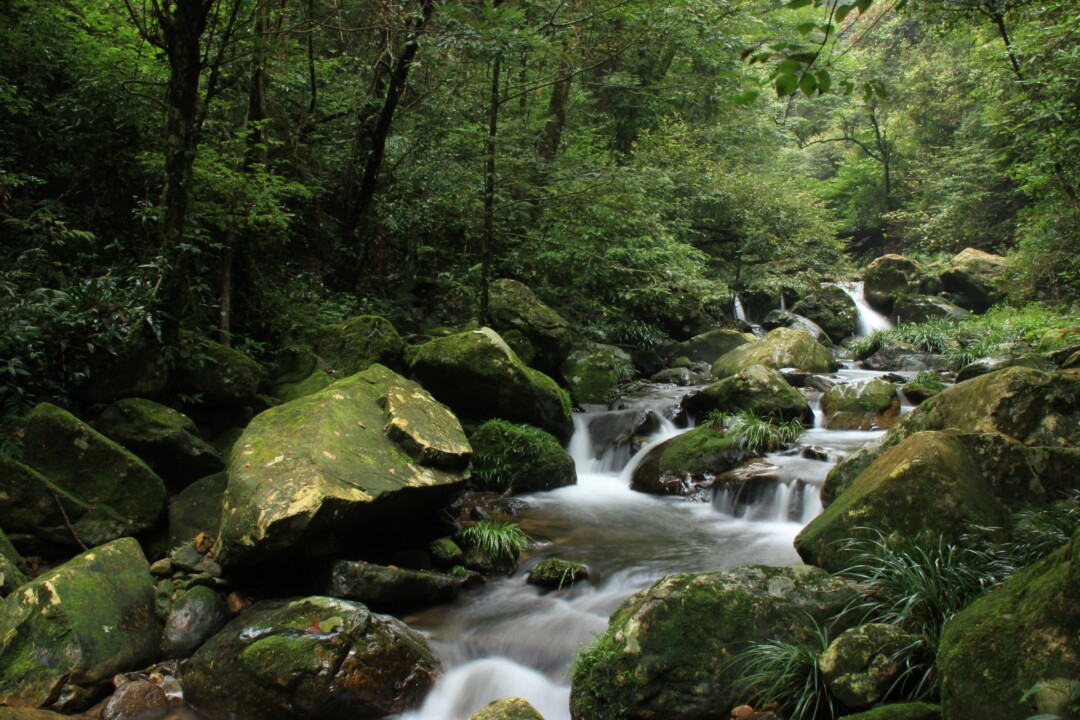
488, 243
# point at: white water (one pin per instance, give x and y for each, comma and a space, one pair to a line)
869, 318
740, 311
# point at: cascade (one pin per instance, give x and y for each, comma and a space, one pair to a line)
869, 318
740, 310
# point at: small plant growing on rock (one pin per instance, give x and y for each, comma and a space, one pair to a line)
754, 434
785, 673
501, 541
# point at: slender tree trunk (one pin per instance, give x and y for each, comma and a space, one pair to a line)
560, 98
488, 243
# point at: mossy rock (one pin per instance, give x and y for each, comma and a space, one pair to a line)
709, 346
976, 280
221, 376
508, 709
446, 553
11, 567
923, 387
165, 438
870, 405
481, 378
194, 617
367, 460
832, 310
197, 509
987, 365
556, 573
358, 343
519, 458
314, 657
667, 651
929, 483
780, 348
757, 389
389, 589
1024, 633
593, 372
920, 308
106, 491
899, 711
786, 318
313, 383
78, 625
863, 663
513, 307
888, 277
680, 465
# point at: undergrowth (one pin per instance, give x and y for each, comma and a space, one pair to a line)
755, 434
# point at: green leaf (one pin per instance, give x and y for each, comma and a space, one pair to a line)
842, 12
806, 28
796, 4
863, 5
786, 84
824, 81
789, 67
808, 84
747, 97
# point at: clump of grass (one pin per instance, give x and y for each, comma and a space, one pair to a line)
1034, 532
775, 671
755, 434
501, 541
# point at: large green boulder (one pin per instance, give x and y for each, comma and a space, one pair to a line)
370, 458
832, 309
359, 342
519, 458
1024, 634
788, 319
667, 651
707, 347
78, 625
165, 438
679, 466
221, 376
515, 311
757, 389
870, 405
976, 279
889, 277
593, 372
480, 378
508, 709
76, 486
920, 308
780, 348
929, 483
316, 657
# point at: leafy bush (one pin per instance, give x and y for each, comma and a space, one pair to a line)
522, 457
754, 434
787, 674
1036, 532
500, 541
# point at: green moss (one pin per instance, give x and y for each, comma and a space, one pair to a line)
519, 457
899, 711
780, 348
832, 309
759, 389
282, 656
698, 452
557, 573
313, 383
359, 342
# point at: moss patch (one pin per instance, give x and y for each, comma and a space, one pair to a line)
521, 458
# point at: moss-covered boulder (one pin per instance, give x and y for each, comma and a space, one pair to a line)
76, 482
390, 589
899, 711
780, 348
1023, 634
982, 366
889, 277
593, 372
519, 458
976, 279
316, 657
367, 460
667, 651
512, 306
221, 376
556, 573
870, 405
758, 389
165, 438
194, 617
296, 372
707, 347
480, 378
788, 319
508, 709
358, 343
920, 308
11, 567
929, 483
863, 663
78, 625
922, 387
197, 509
832, 309
681, 465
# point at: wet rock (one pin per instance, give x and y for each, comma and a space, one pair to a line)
757, 389
976, 280
519, 458
166, 439
989, 365
780, 348
197, 509
619, 428
480, 377
557, 573
135, 699
709, 346
681, 465
593, 372
920, 308
832, 310
193, 618
1025, 632
320, 472
674, 376
389, 588
816, 452
861, 665
512, 306
901, 357
358, 343
667, 650
77, 625
314, 657
888, 277
106, 491
788, 319
446, 553
508, 709
869, 405
751, 489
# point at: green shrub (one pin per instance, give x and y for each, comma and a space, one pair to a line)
754, 434
1035, 532
522, 457
787, 674
502, 542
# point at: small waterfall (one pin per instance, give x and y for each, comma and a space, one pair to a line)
740, 310
869, 318
783, 302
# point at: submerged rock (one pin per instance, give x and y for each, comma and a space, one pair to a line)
315, 657
757, 389
77, 625
368, 459
780, 348
514, 308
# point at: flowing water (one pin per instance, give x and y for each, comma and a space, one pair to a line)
509, 638
869, 318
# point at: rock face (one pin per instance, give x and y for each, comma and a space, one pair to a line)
870, 405
888, 277
975, 279
758, 389
480, 377
106, 491
1025, 632
515, 310
593, 372
81, 623
707, 347
679, 466
358, 343
370, 456
780, 348
667, 650
832, 309
519, 458
165, 438
314, 657
920, 308
860, 665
